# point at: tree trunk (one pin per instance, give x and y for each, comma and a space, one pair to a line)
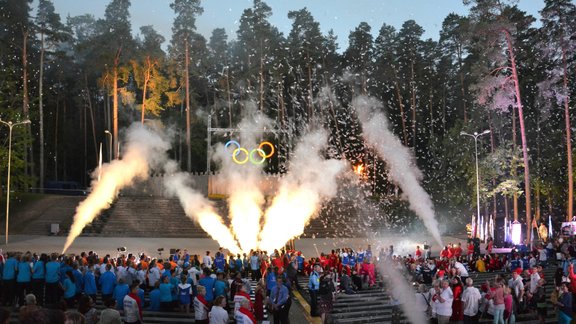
413, 104
41, 112
522, 134
149, 66
492, 149
402, 115
462, 89
188, 144
92, 121
229, 96
261, 76
26, 105
115, 147
56, 121
569, 211
513, 169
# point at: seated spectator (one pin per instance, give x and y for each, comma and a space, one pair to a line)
110, 315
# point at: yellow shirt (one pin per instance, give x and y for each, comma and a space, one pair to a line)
481, 265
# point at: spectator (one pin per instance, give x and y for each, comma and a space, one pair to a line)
470, 302
107, 282
184, 293
86, 307
69, 289
313, 287
218, 314
260, 296
166, 294
29, 308
132, 309
23, 278
208, 283
280, 302
73, 317
201, 307
244, 315
155, 298
443, 299
565, 305
110, 315
120, 291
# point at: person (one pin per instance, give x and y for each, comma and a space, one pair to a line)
120, 291
517, 287
107, 282
110, 315
346, 283
155, 298
39, 278
208, 283
442, 299
207, 261
166, 294
313, 287
4, 313
201, 307
90, 283
132, 309
539, 297
244, 315
73, 317
29, 308
470, 302
565, 304
69, 289
184, 293
457, 309
241, 295
259, 297
497, 296
9, 279
218, 313
221, 287
423, 301
23, 278
279, 302
87, 309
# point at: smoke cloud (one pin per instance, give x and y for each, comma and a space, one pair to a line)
310, 180
401, 165
145, 150
199, 208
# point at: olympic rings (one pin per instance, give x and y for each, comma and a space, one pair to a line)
249, 155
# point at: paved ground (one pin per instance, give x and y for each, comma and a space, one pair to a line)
403, 244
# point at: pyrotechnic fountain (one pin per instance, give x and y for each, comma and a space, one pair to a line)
311, 179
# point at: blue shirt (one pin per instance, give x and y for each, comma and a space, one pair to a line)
120, 291
69, 288
89, 283
63, 269
300, 260
220, 262
166, 292
219, 288
38, 270
10, 267
108, 281
79, 280
254, 264
314, 281
24, 272
239, 264
154, 300
279, 295
271, 281
52, 272
208, 283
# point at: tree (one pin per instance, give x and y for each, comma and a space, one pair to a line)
52, 32
557, 45
500, 88
359, 54
182, 32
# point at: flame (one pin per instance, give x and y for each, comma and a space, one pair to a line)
143, 146
359, 169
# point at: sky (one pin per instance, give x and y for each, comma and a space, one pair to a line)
343, 16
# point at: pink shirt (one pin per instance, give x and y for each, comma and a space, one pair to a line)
498, 296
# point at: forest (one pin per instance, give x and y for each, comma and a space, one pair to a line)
80, 81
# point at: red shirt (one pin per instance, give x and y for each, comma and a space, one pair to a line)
457, 251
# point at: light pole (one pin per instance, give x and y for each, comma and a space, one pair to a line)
10, 126
109, 145
475, 136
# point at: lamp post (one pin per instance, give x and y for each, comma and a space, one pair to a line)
10, 126
109, 145
475, 136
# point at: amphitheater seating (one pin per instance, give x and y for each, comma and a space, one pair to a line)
372, 305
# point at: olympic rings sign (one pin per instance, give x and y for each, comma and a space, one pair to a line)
250, 155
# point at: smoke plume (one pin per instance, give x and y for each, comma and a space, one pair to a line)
144, 150
310, 180
198, 208
401, 165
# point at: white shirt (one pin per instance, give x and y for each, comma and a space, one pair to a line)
534, 278
461, 269
471, 299
153, 276
131, 310
445, 308
207, 261
421, 304
200, 310
517, 285
218, 315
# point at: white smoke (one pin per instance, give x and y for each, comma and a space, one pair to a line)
310, 180
401, 291
401, 165
198, 208
145, 150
